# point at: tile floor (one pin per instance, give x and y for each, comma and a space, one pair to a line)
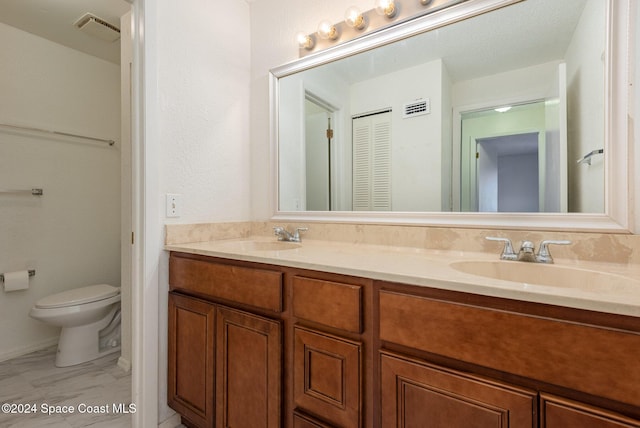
33, 380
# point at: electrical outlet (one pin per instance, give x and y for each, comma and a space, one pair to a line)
174, 205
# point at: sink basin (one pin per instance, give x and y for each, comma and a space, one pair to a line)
549, 275
254, 245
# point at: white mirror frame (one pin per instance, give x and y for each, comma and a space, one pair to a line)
617, 217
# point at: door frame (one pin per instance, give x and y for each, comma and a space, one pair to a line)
456, 138
146, 245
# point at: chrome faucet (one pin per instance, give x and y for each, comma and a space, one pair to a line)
284, 235
507, 251
527, 250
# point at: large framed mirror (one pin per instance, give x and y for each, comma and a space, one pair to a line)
490, 113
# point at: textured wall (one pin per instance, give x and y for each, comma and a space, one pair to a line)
203, 72
198, 129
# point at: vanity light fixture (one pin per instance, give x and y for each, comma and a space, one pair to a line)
354, 18
384, 14
503, 109
326, 30
305, 41
386, 8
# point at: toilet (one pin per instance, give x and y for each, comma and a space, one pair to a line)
90, 321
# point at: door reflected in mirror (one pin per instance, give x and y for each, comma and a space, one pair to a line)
413, 124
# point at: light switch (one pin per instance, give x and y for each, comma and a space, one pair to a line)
174, 205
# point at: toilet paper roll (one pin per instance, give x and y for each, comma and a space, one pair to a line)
14, 281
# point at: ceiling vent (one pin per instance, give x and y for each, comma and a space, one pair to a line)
416, 108
96, 27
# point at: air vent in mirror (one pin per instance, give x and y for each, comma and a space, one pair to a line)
416, 108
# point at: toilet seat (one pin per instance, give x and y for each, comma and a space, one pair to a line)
78, 296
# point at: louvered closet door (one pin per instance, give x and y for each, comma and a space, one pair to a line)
372, 162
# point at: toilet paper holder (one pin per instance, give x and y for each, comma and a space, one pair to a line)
32, 272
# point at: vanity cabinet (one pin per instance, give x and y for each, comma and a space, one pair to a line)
546, 351
225, 363
330, 345
260, 345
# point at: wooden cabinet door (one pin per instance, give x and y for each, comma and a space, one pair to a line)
327, 372
191, 357
558, 412
249, 370
415, 395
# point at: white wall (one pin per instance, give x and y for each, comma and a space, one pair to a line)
197, 134
585, 107
71, 235
634, 128
524, 84
203, 72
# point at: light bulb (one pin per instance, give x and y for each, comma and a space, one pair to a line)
354, 18
326, 30
304, 41
386, 8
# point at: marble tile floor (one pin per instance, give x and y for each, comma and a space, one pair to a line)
96, 391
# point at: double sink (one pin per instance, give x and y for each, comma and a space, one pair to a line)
549, 275
600, 286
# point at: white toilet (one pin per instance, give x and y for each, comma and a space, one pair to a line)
90, 321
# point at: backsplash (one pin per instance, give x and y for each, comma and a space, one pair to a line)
602, 247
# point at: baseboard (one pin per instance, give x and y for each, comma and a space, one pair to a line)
124, 364
172, 422
24, 350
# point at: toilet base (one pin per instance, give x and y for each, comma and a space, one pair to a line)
80, 344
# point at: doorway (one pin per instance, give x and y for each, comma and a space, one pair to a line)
319, 139
513, 133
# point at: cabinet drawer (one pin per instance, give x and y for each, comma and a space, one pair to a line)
327, 377
595, 360
256, 287
334, 304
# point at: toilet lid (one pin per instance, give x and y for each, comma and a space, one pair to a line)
78, 296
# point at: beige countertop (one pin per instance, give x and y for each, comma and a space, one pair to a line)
433, 268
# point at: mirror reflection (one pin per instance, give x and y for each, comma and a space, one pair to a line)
488, 114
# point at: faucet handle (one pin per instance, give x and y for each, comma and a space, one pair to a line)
281, 233
544, 256
507, 251
296, 235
